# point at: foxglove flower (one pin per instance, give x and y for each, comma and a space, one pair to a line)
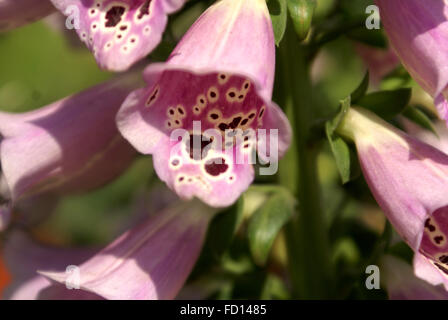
216, 85
409, 180
418, 31
402, 284
151, 261
15, 13
69, 146
119, 33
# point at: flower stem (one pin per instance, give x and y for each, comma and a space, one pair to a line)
307, 235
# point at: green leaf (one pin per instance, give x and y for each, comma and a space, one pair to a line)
346, 161
341, 153
386, 104
419, 117
361, 90
278, 12
301, 13
266, 223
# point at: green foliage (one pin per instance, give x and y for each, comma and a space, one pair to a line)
278, 11
266, 223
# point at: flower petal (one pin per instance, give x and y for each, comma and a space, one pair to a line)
15, 13
152, 261
118, 32
402, 284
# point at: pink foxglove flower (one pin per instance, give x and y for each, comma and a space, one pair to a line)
69, 146
216, 85
150, 261
119, 33
418, 31
15, 13
409, 180
402, 284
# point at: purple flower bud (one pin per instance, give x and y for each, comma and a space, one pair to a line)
15, 13
418, 31
409, 180
119, 33
216, 86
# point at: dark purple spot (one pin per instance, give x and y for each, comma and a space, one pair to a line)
144, 9
215, 167
223, 126
261, 113
171, 112
438, 239
123, 28
246, 86
429, 226
240, 96
214, 116
153, 96
244, 122
443, 259
235, 122
175, 162
213, 94
181, 111
113, 16
252, 115
232, 94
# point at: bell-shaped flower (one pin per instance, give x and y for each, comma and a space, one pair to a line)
206, 112
118, 32
409, 180
15, 13
418, 32
150, 261
71, 145
402, 284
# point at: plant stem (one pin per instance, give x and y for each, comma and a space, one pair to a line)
307, 235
